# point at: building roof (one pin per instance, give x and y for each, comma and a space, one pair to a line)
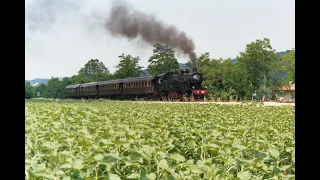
73, 86
89, 84
286, 88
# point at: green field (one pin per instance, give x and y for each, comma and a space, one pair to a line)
127, 140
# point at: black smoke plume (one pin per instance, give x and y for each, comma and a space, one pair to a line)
125, 21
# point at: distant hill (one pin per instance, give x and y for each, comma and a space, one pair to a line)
38, 81
283, 53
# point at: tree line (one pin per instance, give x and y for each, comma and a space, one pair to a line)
257, 70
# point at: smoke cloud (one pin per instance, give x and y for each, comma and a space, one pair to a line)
127, 22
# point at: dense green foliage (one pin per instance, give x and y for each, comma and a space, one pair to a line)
257, 70
127, 67
124, 140
162, 60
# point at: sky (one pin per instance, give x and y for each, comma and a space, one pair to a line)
62, 35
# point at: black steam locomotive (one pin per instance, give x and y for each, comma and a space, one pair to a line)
169, 86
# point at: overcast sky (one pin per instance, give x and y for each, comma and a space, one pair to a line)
62, 35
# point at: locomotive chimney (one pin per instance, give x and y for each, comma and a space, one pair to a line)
194, 66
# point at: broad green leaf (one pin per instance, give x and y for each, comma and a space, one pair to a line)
195, 169
105, 141
178, 158
44, 174
67, 165
77, 164
244, 175
190, 162
163, 164
274, 153
151, 176
133, 176
113, 176
241, 147
258, 154
110, 159
99, 157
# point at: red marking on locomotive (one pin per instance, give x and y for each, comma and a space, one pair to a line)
202, 92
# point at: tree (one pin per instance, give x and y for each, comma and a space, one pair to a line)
42, 88
29, 91
162, 60
289, 63
260, 61
128, 67
221, 77
94, 70
57, 88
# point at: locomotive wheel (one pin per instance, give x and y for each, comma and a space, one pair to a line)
174, 96
163, 98
192, 98
180, 97
170, 96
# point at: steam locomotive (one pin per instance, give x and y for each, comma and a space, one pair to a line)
169, 86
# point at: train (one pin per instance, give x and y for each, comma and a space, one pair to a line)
168, 86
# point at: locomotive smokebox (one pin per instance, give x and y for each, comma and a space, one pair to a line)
194, 70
